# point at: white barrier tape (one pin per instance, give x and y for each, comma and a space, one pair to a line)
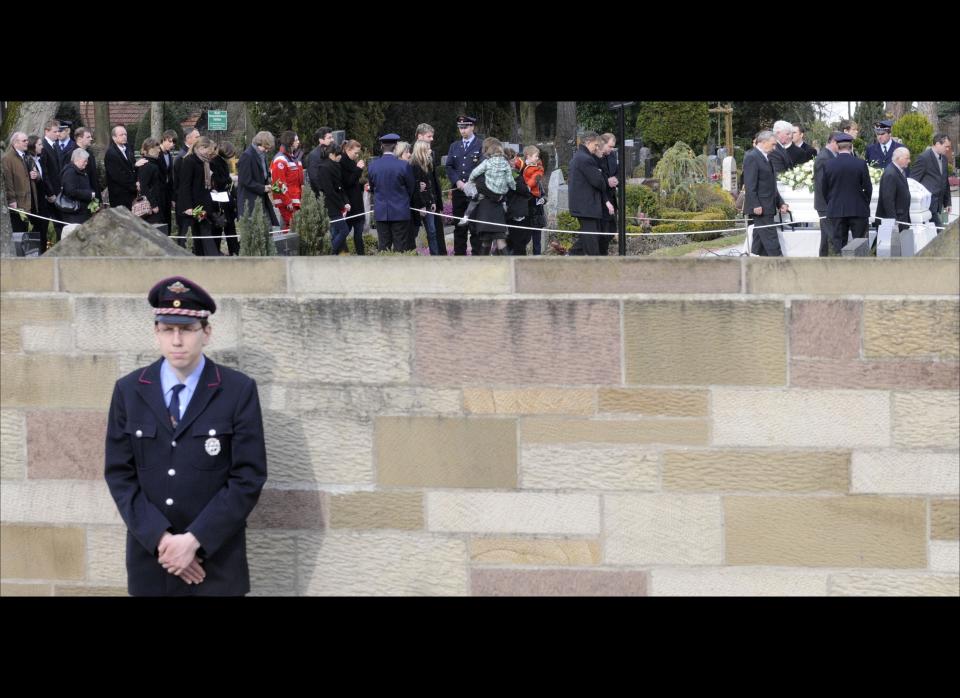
34, 215
687, 220
579, 232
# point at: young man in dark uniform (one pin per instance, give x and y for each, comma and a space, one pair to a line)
463, 156
185, 457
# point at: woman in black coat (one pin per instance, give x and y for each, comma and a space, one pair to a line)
150, 181
196, 182
330, 184
351, 170
223, 181
76, 185
426, 197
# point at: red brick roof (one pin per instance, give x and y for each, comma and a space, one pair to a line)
128, 113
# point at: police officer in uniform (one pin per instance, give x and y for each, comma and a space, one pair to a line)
463, 156
185, 457
391, 184
880, 154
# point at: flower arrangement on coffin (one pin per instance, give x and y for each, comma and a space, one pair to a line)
802, 177
798, 177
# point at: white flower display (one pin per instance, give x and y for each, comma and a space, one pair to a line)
802, 177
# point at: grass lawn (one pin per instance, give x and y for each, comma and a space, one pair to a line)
717, 244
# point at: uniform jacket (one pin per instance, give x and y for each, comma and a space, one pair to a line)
205, 477
876, 157
847, 187
460, 162
392, 186
288, 171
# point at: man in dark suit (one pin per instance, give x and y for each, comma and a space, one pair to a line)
801, 151
930, 170
462, 157
587, 194
185, 457
827, 154
762, 199
52, 163
252, 182
880, 154
894, 199
392, 184
847, 189
184, 222
784, 152
121, 175
168, 145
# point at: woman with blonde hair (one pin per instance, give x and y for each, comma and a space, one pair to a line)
424, 197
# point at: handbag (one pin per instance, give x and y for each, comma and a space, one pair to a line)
141, 205
65, 204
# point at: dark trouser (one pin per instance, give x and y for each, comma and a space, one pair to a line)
609, 225
517, 238
842, 226
167, 213
765, 241
537, 220
19, 224
233, 243
412, 231
184, 223
45, 208
392, 235
825, 231
938, 218
356, 225
205, 246
460, 202
339, 230
587, 244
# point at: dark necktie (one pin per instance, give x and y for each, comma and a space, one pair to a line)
175, 404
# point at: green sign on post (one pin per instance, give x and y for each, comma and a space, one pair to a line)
217, 120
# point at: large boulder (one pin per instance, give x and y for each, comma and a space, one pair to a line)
115, 232
946, 244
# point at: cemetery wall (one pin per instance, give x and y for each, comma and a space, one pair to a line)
519, 426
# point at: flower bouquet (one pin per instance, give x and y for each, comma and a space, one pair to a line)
875, 173
798, 177
93, 206
279, 187
199, 213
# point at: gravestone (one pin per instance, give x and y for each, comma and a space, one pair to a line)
557, 197
713, 168
858, 247
730, 175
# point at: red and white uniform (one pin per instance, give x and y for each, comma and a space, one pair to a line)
288, 173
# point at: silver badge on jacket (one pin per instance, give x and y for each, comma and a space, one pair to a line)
213, 446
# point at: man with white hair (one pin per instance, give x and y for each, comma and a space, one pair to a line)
19, 183
780, 157
894, 198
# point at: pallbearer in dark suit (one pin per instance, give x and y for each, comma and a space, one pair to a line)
801, 151
894, 199
762, 201
930, 170
826, 155
185, 457
880, 154
848, 189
